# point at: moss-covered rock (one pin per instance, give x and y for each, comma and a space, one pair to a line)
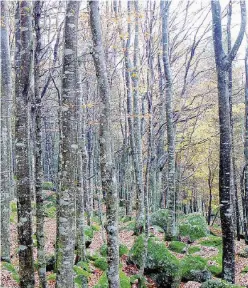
194, 268
124, 281
160, 264
194, 249
193, 226
212, 241
218, 284
177, 246
101, 263
160, 218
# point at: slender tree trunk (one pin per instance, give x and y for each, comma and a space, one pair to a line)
6, 134
38, 150
22, 84
223, 63
171, 226
245, 196
107, 168
69, 151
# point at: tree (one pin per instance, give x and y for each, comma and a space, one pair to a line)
107, 167
223, 63
170, 122
23, 68
6, 134
69, 151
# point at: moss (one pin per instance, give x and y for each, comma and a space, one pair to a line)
101, 263
212, 241
216, 270
245, 270
50, 211
47, 186
126, 219
88, 232
193, 226
124, 281
160, 218
135, 254
122, 250
194, 249
218, 284
177, 246
190, 264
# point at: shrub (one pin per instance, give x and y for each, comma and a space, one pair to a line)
193, 226
177, 246
124, 281
11, 268
194, 268
160, 218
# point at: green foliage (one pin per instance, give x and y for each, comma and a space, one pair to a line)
126, 219
160, 218
124, 281
141, 278
190, 264
194, 249
177, 246
51, 277
193, 226
11, 268
95, 227
47, 186
218, 284
13, 211
212, 241
216, 270
101, 263
82, 271
88, 232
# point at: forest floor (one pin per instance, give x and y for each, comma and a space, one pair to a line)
127, 238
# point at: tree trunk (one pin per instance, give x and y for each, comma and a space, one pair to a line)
38, 150
171, 226
22, 83
107, 168
6, 134
69, 151
223, 63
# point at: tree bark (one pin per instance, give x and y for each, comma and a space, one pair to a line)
69, 151
38, 149
107, 168
223, 63
6, 135
171, 226
22, 83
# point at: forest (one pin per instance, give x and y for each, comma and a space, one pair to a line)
124, 144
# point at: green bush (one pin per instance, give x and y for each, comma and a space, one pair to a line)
47, 186
135, 253
88, 232
101, 263
124, 281
194, 268
218, 284
194, 249
160, 218
11, 268
212, 241
177, 246
193, 226
50, 211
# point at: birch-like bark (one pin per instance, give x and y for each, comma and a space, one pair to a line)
23, 63
38, 149
69, 151
6, 134
107, 168
223, 63
245, 194
171, 226
137, 137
